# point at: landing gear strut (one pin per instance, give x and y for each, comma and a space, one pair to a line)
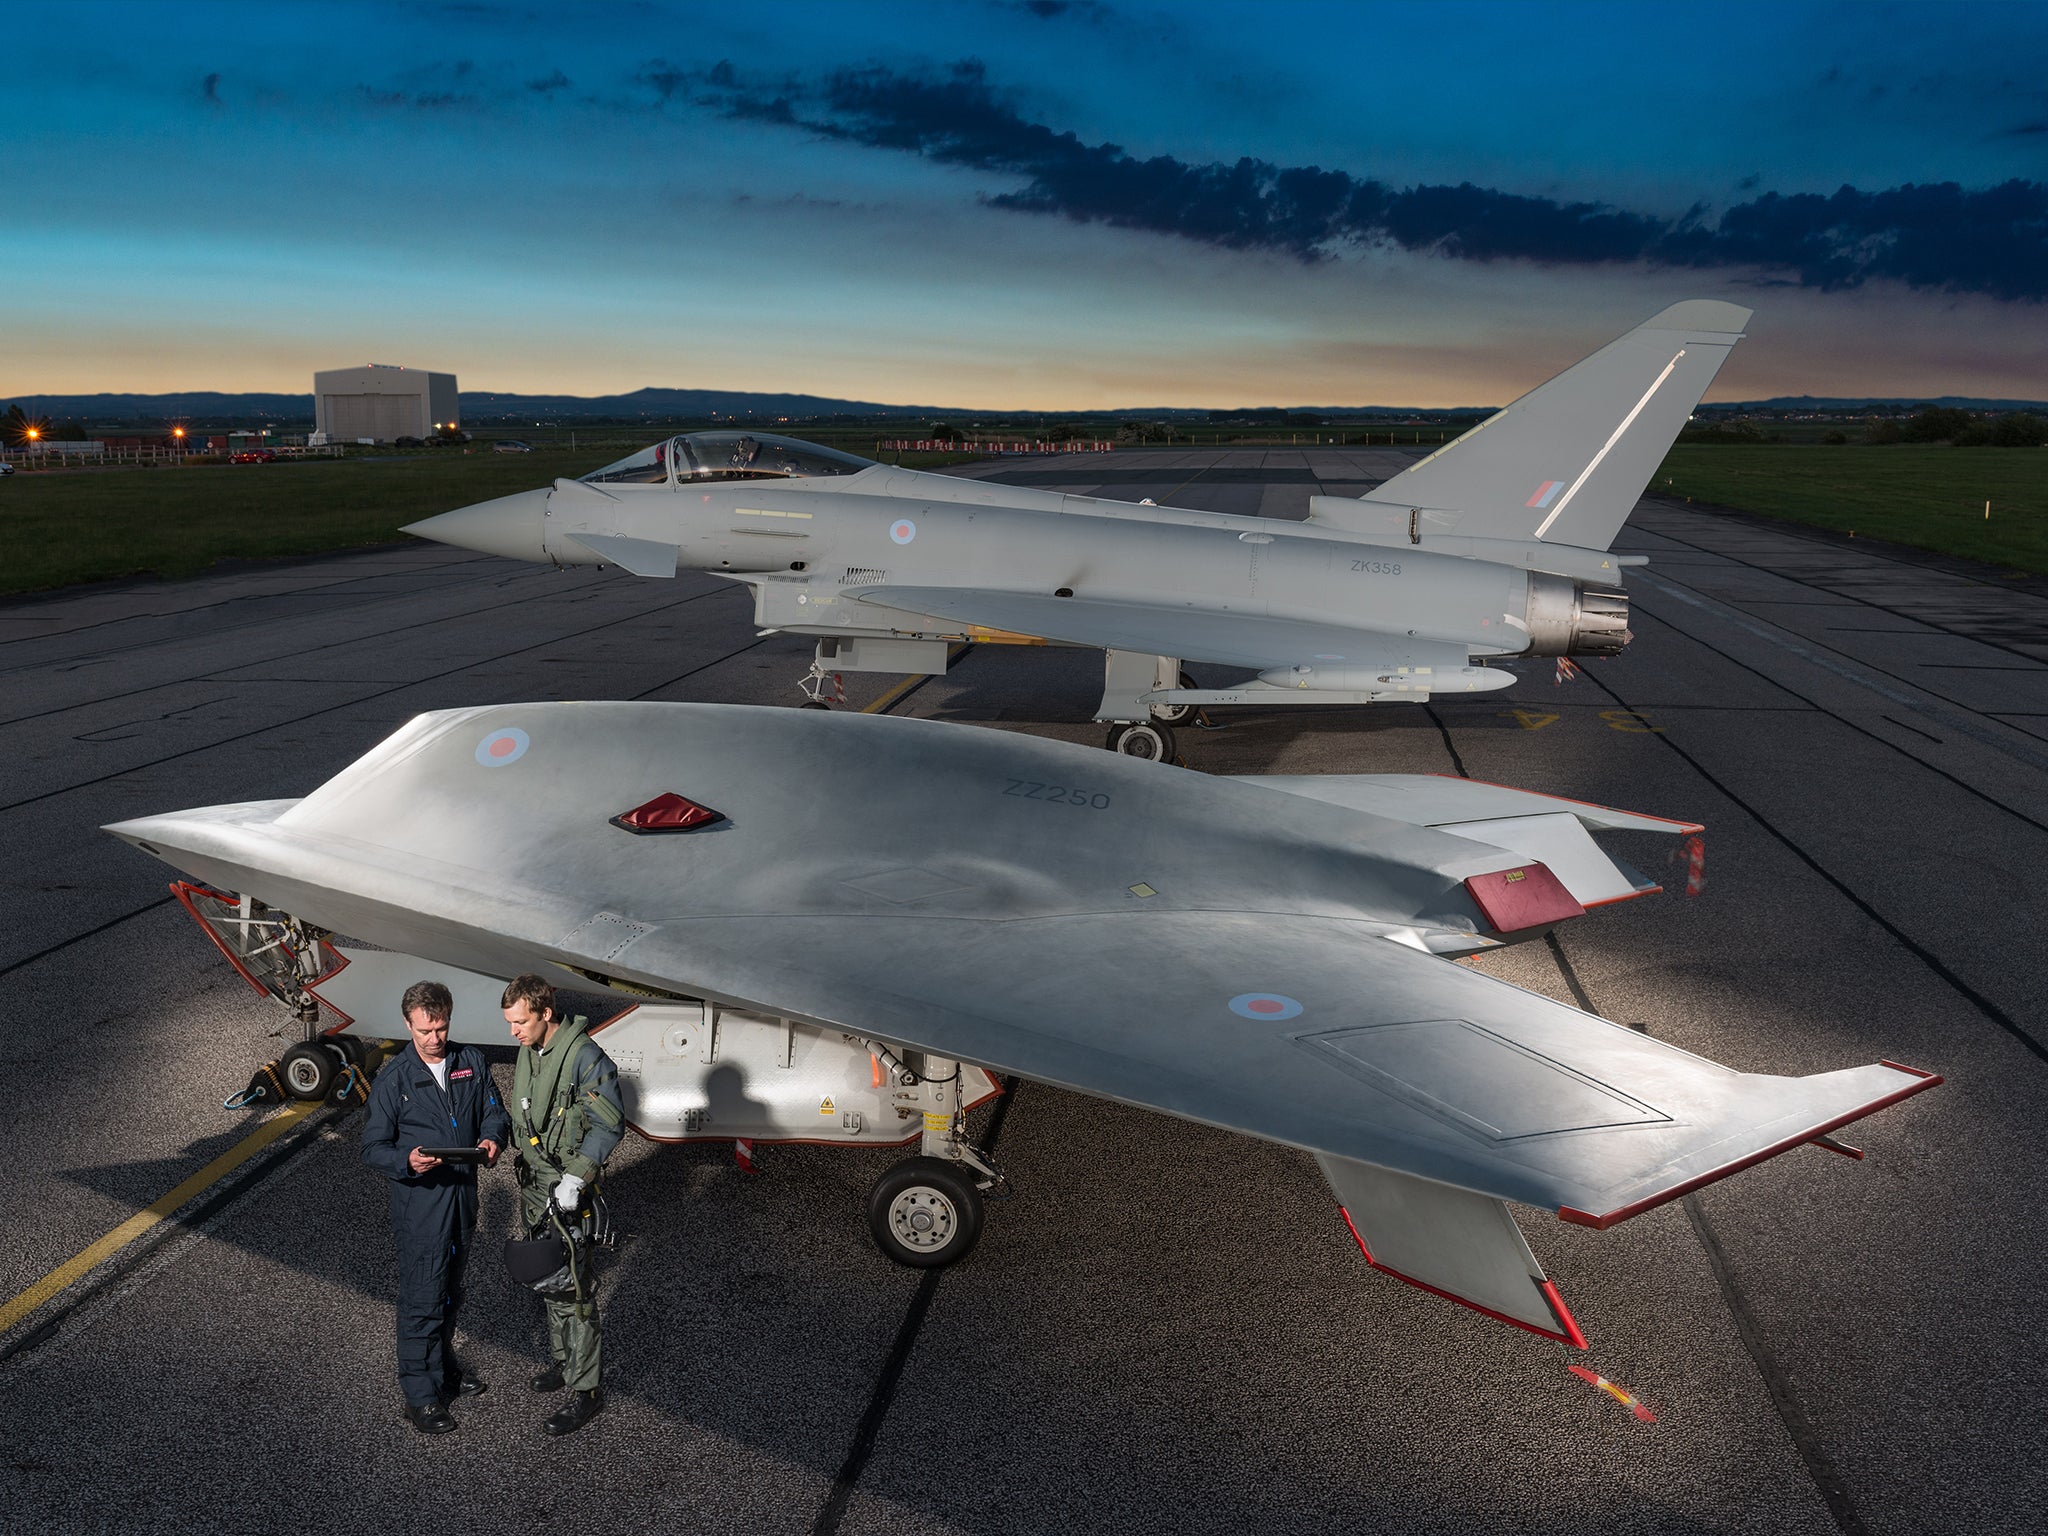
821, 689
926, 1211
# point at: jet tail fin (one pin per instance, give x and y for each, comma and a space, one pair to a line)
1568, 461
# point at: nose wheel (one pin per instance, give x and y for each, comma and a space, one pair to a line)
1147, 739
925, 1212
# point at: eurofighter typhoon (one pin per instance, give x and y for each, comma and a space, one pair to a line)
1494, 547
845, 950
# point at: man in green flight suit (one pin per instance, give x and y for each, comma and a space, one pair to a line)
566, 1118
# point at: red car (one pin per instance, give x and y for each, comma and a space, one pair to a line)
253, 456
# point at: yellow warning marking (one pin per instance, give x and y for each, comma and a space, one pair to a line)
1529, 719
937, 1125
86, 1260
825, 1105
1628, 720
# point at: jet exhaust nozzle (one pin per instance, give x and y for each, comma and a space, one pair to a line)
1575, 618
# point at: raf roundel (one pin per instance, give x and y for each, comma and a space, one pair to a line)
903, 530
1265, 1006
500, 749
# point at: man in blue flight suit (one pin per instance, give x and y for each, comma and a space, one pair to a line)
428, 1096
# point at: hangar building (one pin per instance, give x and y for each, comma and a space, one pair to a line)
383, 401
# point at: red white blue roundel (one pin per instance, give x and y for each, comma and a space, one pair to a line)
503, 747
1264, 1006
903, 530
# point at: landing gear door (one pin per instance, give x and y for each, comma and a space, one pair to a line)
272, 950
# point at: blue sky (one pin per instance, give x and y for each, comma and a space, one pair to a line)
1021, 204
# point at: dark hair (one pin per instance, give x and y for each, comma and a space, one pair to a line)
530, 990
430, 996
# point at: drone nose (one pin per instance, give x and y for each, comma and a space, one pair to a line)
510, 526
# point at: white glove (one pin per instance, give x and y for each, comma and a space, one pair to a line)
568, 1192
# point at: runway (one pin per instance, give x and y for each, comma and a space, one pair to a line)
1168, 1327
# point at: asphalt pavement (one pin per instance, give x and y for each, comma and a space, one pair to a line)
1167, 1327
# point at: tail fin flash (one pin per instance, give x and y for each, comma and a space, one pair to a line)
1567, 462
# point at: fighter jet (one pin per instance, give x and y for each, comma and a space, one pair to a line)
847, 952
1494, 547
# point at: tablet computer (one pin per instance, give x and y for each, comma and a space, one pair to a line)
456, 1154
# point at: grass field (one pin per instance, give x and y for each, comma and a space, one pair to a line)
69, 526
1929, 496
61, 528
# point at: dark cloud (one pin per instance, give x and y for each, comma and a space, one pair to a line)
554, 82
209, 89
1056, 10
2024, 130
1943, 236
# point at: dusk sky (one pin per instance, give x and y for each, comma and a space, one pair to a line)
1027, 205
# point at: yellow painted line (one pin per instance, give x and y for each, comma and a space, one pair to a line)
87, 1260
893, 694
909, 683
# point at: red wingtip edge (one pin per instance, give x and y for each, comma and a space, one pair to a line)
1565, 1320
1922, 1080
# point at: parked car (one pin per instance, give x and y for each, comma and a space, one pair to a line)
6, 468
253, 456
511, 445
407, 442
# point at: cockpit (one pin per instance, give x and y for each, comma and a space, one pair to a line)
699, 457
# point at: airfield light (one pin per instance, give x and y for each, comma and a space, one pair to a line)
33, 434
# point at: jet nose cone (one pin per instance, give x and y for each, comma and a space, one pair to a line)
506, 525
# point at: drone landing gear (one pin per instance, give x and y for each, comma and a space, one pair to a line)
926, 1211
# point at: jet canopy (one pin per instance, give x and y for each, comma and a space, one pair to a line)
695, 457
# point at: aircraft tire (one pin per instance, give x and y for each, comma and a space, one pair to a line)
925, 1212
1176, 714
813, 704
308, 1071
1146, 739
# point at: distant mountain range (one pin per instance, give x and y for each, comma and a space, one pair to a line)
207, 407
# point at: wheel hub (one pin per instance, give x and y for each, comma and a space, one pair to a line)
923, 1218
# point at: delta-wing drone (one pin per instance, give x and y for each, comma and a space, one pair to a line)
1494, 547
843, 950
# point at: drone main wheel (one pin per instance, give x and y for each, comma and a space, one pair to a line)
925, 1212
1146, 739
814, 704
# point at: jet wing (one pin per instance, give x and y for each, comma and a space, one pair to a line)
1317, 1032
1193, 634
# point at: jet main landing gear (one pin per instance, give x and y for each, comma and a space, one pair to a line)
1151, 740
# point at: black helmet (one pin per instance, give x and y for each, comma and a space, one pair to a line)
536, 1261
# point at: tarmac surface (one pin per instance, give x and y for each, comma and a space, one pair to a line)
1168, 1328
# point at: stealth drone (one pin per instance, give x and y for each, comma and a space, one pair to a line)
847, 953
1496, 546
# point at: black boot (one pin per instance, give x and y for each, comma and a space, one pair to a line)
464, 1383
575, 1413
549, 1380
429, 1418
